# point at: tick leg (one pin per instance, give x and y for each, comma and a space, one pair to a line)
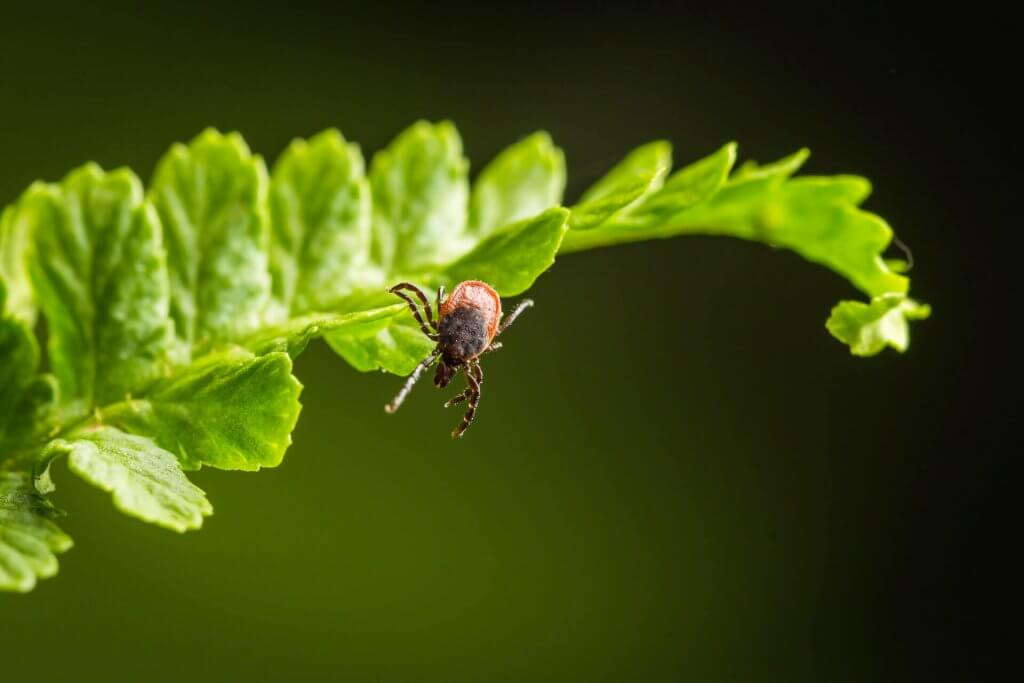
475, 377
511, 317
407, 387
495, 345
456, 400
420, 295
440, 300
429, 331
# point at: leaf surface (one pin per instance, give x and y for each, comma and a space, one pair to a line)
29, 539
640, 173
144, 480
522, 181
420, 196
511, 259
868, 328
230, 410
100, 276
14, 245
211, 196
321, 213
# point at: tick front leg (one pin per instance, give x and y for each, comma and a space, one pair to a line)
430, 330
475, 377
511, 317
413, 378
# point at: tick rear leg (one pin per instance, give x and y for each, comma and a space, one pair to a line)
430, 330
413, 378
511, 317
475, 377
456, 400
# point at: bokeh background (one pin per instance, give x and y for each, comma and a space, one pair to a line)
676, 473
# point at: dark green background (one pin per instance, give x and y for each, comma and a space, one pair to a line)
676, 473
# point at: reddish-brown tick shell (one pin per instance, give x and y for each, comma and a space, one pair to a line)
478, 295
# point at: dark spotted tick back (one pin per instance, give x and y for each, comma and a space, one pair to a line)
465, 327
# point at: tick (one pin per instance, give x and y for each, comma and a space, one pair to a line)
465, 328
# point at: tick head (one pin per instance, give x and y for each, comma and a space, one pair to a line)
445, 373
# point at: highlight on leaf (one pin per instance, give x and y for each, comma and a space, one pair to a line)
173, 313
869, 328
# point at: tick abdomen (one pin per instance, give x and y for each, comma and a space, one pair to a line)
464, 334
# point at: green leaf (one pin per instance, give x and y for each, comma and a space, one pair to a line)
230, 410
14, 243
653, 216
321, 212
212, 200
171, 360
785, 167
394, 344
420, 194
29, 539
816, 217
19, 357
869, 328
690, 186
511, 259
144, 480
640, 173
525, 179
99, 272
30, 422
27, 400
294, 335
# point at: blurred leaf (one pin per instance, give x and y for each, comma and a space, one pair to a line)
29, 539
869, 328
640, 173
14, 244
99, 273
30, 422
27, 400
525, 179
212, 199
690, 186
145, 481
230, 410
19, 358
321, 212
420, 194
783, 168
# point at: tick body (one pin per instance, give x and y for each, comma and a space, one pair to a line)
465, 327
